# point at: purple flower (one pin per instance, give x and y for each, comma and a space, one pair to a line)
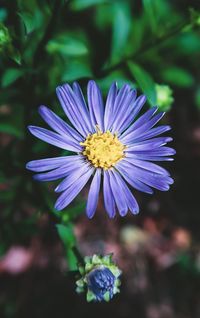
100, 281
99, 277
109, 144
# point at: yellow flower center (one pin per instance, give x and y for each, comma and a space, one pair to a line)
103, 150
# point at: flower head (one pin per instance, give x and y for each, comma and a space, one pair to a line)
100, 277
109, 144
164, 96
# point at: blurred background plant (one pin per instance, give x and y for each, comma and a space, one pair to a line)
155, 46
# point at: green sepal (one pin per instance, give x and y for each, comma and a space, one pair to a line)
116, 290
81, 270
116, 271
88, 267
80, 283
117, 282
106, 296
90, 296
96, 260
88, 259
79, 290
107, 259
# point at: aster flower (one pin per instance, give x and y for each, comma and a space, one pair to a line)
109, 143
99, 277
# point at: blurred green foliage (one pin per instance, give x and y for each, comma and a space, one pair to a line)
46, 43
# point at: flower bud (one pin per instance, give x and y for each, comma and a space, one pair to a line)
164, 98
99, 277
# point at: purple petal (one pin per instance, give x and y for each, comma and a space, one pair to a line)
148, 144
125, 110
109, 106
58, 173
161, 152
78, 104
144, 127
79, 95
130, 200
140, 121
70, 110
146, 156
93, 194
76, 173
152, 133
134, 182
147, 166
152, 179
131, 113
68, 195
95, 104
118, 194
108, 196
41, 165
59, 125
54, 139
118, 103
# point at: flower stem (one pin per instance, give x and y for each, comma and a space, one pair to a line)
78, 256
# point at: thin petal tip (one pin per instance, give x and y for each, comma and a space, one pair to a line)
135, 212
36, 177
90, 216
58, 207
31, 128
28, 165
57, 189
42, 108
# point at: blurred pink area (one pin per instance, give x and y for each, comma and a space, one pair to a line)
16, 260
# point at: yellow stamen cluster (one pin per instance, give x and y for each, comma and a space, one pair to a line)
103, 150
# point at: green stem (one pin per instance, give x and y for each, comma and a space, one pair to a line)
78, 256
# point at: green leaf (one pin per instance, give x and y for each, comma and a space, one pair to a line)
144, 81
3, 14
121, 28
188, 44
150, 13
12, 124
29, 21
137, 34
90, 296
103, 17
5, 38
15, 55
84, 4
30, 5
67, 45
10, 76
10, 129
75, 70
197, 97
178, 76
